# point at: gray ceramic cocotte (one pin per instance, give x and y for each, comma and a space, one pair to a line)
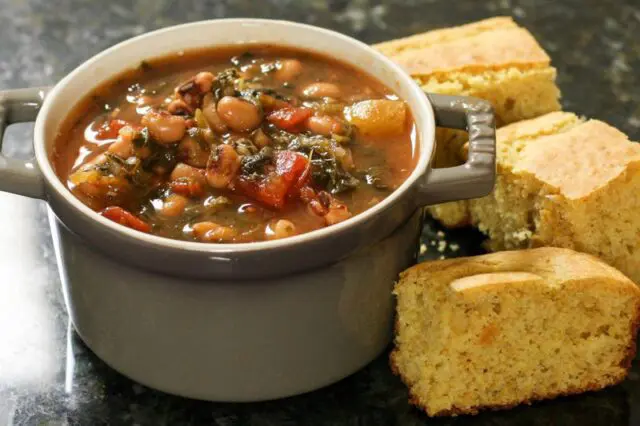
241, 322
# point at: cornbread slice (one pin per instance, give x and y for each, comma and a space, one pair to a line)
494, 59
502, 329
564, 182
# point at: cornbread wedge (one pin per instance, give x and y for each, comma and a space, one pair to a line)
502, 329
564, 182
493, 59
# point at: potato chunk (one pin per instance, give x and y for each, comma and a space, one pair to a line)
378, 117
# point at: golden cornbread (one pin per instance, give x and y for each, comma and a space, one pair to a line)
494, 59
498, 330
564, 182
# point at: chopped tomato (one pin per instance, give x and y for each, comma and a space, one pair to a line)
123, 217
109, 130
187, 187
301, 183
272, 190
291, 119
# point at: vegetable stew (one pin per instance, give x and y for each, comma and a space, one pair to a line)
236, 144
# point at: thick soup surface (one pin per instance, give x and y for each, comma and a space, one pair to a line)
236, 144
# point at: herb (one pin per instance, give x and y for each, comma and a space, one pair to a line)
129, 169
141, 139
375, 176
326, 169
254, 164
244, 146
328, 173
225, 83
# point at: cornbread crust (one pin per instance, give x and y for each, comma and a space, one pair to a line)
563, 182
429, 296
493, 59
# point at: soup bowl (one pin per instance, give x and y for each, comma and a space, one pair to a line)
251, 321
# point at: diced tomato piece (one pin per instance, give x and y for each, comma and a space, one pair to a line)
109, 130
270, 191
123, 217
301, 183
273, 189
290, 119
187, 187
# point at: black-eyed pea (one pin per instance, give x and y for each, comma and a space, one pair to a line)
322, 90
281, 229
323, 125
185, 171
193, 153
123, 146
288, 70
238, 114
210, 113
164, 127
223, 166
212, 232
173, 205
204, 81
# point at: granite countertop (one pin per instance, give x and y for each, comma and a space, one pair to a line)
48, 377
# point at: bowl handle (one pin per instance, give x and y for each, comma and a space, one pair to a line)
476, 177
20, 176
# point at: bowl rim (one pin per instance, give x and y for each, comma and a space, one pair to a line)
426, 142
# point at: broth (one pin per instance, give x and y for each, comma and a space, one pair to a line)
236, 144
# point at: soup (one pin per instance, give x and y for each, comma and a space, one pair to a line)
236, 144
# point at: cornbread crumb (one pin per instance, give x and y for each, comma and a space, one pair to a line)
507, 328
564, 182
493, 59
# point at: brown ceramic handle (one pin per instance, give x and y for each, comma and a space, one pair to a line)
476, 177
19, 176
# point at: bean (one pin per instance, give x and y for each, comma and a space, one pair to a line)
223, 167
281, 229
178, 107
337, 213
164, 127
240, 115
323, 125
344, 156
123, 146
185, 171
260, 139
192, 152
322, 90
204, 81
288, 70
213, 119
212, 232
173, 205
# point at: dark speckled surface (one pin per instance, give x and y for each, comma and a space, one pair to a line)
48, 377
